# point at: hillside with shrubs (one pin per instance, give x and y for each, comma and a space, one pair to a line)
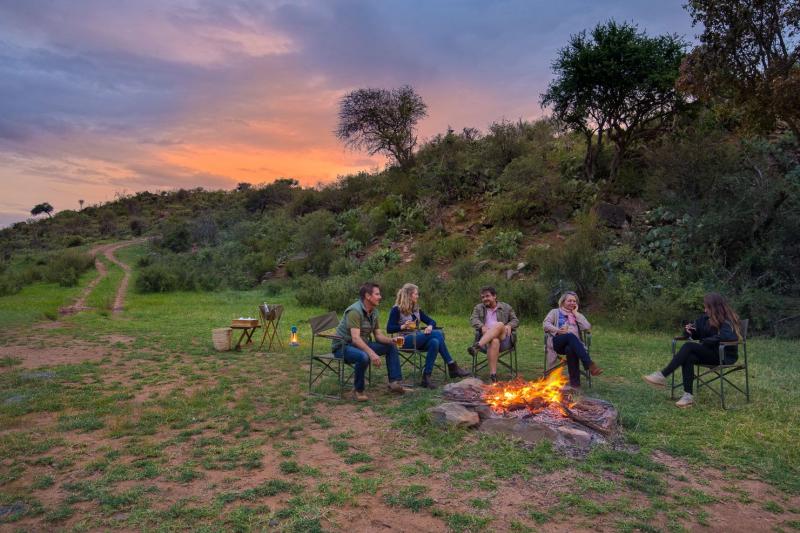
707, 200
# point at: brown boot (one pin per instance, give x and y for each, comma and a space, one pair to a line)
396, 387
427, 382
456, 371
359, 396
594, 369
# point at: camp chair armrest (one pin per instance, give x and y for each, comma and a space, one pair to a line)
331, 336
730, 343
676, 340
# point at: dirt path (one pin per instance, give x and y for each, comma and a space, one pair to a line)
108, 251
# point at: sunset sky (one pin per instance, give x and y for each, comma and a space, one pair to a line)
107, 97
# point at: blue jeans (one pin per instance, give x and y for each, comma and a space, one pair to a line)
434, 343
360, 361
571, 346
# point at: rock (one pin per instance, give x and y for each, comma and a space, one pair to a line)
43, 374
524, 430
9, 513
510, 274
521, 265
565, 228
464, 389
480, 265
14, 399
483, 410
611, 215
454, 414
572, 435
120, 516
597, 414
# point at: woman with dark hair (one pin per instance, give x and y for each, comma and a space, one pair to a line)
563, 327
405, 318
719, 323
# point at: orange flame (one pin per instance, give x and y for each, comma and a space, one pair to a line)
542, 392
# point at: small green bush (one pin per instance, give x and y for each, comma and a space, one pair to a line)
66, 267
504, 245
156, 278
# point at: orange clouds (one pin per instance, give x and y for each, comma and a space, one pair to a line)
308, 166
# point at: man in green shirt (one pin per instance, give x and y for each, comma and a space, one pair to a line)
362, 342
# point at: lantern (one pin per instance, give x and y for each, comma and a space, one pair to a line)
293, 341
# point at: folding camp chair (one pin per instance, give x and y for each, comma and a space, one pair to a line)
506, 359
328, 363
415, 357
713, 373
270, 318
561, 360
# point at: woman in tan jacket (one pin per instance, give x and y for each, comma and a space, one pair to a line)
563, 327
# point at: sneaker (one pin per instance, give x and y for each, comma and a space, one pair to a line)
359, 396
594, 369
396, 387
493, 378
656, 379
687, 400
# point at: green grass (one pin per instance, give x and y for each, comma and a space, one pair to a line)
166, 408
38, 302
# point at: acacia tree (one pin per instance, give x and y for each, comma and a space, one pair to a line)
615, 83
381, 121
748, 60
44, 207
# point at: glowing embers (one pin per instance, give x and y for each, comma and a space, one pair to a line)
534, 396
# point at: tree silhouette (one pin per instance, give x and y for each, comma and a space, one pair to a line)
380, 120
44, 207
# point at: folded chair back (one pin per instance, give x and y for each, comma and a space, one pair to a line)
323, 322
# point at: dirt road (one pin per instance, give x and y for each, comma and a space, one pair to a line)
108, 251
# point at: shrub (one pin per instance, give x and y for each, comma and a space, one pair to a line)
156, 278
176, 238
453, 247
504, 245
576, 264
66, 267
380, 260
73, 241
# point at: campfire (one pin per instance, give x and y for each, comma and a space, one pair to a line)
535, 396
530, 410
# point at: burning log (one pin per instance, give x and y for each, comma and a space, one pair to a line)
532, 410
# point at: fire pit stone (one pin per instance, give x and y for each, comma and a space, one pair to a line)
518, 428
454, 414
532, 411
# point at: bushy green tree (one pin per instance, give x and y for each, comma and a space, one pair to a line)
748, 60
615, 83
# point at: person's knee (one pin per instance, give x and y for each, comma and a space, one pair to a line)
363, 359
433, 344
495, 343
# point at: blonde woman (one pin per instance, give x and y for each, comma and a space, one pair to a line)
563, 327
405, 318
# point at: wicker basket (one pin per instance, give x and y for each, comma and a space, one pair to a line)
221, 337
